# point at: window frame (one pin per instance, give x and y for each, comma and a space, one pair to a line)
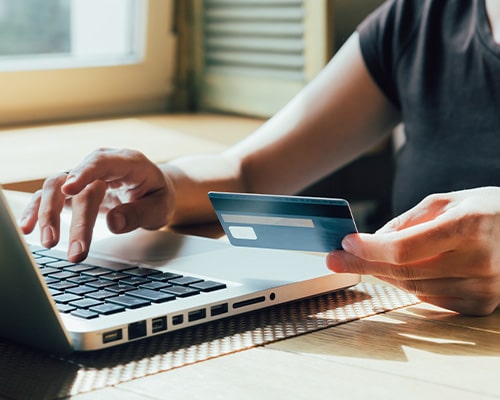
96, 91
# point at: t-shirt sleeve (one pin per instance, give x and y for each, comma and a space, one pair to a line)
383, 37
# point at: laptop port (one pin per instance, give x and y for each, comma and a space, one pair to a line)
159, 324
218, 309
249, 302
197, 315
112, 336
177, 319
137, 330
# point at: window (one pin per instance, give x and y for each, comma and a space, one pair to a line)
254, 55
62, 59
33, 27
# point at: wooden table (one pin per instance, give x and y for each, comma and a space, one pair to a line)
419, 352
416, 353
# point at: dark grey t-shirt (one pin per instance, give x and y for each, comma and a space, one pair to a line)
436, 60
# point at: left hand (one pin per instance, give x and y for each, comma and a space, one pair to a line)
445, 250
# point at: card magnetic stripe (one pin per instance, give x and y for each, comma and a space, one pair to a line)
283, 206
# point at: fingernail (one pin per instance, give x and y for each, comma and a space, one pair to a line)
75, 249
347, 244
70, 179
47, 236
118, 222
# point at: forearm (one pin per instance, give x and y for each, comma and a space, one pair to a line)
337, 117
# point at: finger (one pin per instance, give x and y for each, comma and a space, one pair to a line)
446, 265
427, 210
29, 217
85, 210
148, 213
412, 244
116, 167
51, 204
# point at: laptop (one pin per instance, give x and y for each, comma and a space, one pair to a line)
140, 284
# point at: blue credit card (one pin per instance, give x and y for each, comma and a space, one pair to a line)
283, 222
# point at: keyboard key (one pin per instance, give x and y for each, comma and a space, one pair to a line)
97, 271
101, 283
65, 308
114, 276
66, 298
85, 303
79, 268
157, 285
135, 281
82, 279
45, 260
35, 248
48, 270
208, 286
81, 290
107, 309
151, 295
119, 288
63, 275
128, 301
185, 280
181, 291
62, 285
112, 265
60, 264
87, 314
101, 295
54, 292
51, 281
165, 276
143, 272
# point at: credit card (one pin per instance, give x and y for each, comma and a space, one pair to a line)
314, 224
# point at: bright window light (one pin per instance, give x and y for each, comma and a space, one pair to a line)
54, 34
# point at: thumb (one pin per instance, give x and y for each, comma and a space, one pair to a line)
150, 212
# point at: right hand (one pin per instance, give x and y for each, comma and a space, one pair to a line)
124, 184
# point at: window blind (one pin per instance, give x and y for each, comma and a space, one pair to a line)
256, 54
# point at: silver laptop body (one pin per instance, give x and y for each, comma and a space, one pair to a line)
253, 279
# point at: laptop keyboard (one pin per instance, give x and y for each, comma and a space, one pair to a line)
88, 291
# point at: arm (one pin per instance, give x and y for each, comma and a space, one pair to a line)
338, 116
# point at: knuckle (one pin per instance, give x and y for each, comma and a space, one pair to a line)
52, 183
80, 229
47, 217
404, 272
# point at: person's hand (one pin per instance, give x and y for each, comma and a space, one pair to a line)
446, 251
127, 186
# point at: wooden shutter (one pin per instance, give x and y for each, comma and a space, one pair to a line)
252, 56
